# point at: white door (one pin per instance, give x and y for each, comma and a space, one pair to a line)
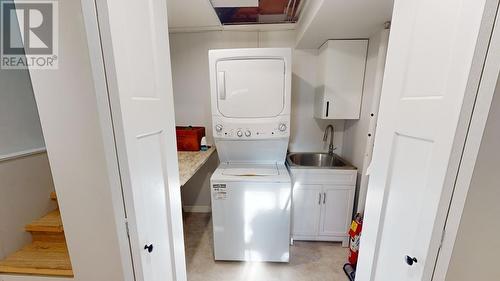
307, 200
336, 210
429, 57
249, 88
136, 56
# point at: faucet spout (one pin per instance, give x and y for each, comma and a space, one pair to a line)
329, 129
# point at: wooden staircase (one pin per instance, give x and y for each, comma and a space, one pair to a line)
48, 252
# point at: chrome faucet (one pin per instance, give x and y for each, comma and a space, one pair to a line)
325, 137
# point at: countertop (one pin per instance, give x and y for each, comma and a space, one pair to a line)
191, 161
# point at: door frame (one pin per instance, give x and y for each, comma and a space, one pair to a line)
437, 247
477, 123
98, 38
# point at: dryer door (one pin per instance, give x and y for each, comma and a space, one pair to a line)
250, 88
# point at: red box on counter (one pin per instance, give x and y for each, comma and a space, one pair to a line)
189, 138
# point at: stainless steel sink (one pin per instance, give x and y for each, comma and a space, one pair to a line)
317, 160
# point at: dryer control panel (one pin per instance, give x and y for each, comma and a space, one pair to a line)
251, 130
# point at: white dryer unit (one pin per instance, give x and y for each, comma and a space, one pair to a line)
251, 189
250, 93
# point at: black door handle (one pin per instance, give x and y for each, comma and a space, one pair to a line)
410, 260
149, 247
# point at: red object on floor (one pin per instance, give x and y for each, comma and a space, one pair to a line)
189, 138
354, 234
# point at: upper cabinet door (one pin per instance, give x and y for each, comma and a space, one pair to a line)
341, 74
250, 88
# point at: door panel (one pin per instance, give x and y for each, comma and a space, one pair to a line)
336, 210
306, 209
408, 198
429, 58
249, 88
149, 203
136, 56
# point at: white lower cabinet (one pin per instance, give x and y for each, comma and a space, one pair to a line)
322, 208
306, 209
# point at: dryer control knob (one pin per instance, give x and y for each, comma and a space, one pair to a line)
218, 127
248, 133
239, 134
282, 127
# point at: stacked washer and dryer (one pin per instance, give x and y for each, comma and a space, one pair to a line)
251, 188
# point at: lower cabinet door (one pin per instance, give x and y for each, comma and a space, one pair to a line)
336, 210
306, 208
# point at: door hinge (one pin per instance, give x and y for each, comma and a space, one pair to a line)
442, 239
127, 229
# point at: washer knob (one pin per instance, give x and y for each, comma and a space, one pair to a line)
282, 127
239, 134
218, 127
248, 133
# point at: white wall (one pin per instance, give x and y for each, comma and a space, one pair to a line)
196, 192
20, 129
191, 83
358, 133
25, 182
78, 134
25, 187
475, 253
189, 53
19, 123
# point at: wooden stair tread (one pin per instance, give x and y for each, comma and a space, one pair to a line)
40, 258
51, 222
48, 236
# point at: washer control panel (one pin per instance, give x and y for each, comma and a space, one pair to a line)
240, 130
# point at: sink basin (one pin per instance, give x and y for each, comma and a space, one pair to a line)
317, 160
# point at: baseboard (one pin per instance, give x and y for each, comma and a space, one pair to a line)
6, 277
197, 209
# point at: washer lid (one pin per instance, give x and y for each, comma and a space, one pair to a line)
251, 170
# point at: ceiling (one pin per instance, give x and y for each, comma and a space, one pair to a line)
339, 19
199, 15
262, 12
319, 20
191, 15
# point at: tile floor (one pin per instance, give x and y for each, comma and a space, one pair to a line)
310, 261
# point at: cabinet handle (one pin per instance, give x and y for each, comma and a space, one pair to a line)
319, 199
324, 197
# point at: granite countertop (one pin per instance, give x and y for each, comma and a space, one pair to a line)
191, 161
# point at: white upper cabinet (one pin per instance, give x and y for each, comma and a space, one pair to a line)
340, 76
